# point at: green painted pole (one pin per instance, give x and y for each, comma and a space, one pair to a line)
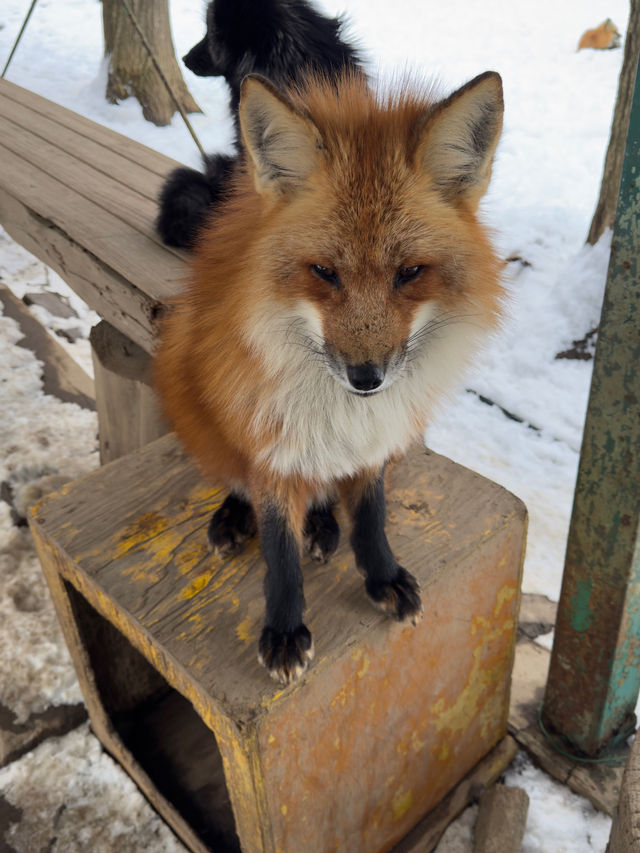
594, 677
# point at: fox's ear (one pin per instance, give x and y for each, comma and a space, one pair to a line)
459, 138
283, 145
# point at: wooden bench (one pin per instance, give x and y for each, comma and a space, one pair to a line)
388, 719
83, 200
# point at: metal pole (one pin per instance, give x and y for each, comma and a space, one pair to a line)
594, 677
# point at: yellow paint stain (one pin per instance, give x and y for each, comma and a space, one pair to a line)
478, 699
342, 696
244, 632
445, 752
185, 560
505, 595
271, 739
145, 528
366, 663
283, 809
337, 742
417, 745
401, 803
196, 586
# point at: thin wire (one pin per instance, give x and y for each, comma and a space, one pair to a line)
168, 86
22, 29
610, 760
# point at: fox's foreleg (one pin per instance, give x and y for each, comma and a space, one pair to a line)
286, 646
390, 587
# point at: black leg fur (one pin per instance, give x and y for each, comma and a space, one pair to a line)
390, 587
285, 646
321, 532
231, 525
187, 198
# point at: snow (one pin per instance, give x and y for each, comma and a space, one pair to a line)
558, 820
558, 106
91, 806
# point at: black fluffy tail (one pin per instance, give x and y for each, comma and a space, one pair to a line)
187, 197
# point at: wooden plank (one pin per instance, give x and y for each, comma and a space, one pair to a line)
138, 153
154, 270
72, 622
62, 376
625, 830
18, 738
110, 195
111, 295
201, 597
426, 835
131, 541
110, 163
129, 412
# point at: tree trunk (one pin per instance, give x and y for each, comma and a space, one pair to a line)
606, 208
131, 70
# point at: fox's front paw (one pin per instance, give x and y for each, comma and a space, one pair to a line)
399, 598
321, 533
285, 654
231, 525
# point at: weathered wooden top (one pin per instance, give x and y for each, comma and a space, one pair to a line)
83, 199
134, 532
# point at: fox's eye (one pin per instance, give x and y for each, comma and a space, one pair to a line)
407, 274
327, 274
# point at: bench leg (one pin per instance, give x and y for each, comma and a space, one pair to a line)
128, 409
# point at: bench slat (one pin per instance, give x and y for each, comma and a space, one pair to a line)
110, 164
154, 270
111, 195
111, 295
138, 153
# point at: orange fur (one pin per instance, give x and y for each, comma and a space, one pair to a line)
372, 196
603, 37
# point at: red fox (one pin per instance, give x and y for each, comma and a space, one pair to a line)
604, 37
333, 297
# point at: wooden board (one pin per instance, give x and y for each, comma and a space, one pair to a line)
61, 375
191, 601
426, 835
129, 412
388, 718
83, 199
140, 155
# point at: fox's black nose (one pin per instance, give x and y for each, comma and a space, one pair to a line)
365, 377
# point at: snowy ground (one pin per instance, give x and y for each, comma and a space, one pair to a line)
558, 106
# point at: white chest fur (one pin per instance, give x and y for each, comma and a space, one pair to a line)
324, 431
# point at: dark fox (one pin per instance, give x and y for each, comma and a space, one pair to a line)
284, 40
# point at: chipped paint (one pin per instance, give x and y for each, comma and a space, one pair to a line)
401, 802
196, 585
244, 631
594, 675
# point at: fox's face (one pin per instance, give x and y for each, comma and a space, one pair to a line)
372, 239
